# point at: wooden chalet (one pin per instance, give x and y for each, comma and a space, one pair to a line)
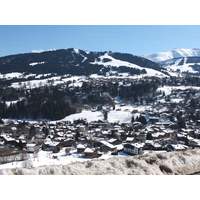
115, 141
80, 148
9, 140
130, 139
152, 145
90, 153
106, 146
176, 147
32, 148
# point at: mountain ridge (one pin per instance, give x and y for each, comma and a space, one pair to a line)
78, 62
178, 60
174, 53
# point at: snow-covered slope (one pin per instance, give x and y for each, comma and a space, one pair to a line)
175, 53
178, 60
79, 62
117, 63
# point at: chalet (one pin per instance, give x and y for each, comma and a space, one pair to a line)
130, 139
197, 134
181, 137
193, 142
32, 148
152, 145
158, 135
80, 148
176, 147
90, 153
9, 140
51, 146
133, 149
21, 144
137, 125
106, 146
54, 144
115, 141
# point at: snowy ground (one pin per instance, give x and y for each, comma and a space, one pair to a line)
43, 158
169, 89
121, 114
155, 163
76, 81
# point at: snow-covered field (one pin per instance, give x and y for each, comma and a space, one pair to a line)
44, 158
121, 114
76, 81
169, 89
117, 63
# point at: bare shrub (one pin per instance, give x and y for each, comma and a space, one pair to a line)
151, 160
67, 150
88, 164
161, 156
131, 163
27, 164
165, 169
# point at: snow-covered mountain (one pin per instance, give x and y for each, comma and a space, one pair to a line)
175, 53
78, 62
178, 60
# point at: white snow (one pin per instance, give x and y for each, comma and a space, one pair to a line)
175, 53
11, 75
120, 114
117, 63
185, 67
36, 63
76, 81
168, 89
11, 102
40, 51
89, 115
88, 150
37, 51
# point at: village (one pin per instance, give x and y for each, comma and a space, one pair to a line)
169, 122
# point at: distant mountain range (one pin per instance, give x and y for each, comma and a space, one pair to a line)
78, 62
186, 61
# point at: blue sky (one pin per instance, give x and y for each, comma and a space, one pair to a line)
135, 39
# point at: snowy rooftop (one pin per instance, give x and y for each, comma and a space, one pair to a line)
107, 144
88, 150
80, 146
30, 145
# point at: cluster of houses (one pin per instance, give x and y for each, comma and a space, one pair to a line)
91, 140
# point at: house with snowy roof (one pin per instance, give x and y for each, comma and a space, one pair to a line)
106, 146
32, 148
115, 141
130, 139
176, 147
133, 148
153, 145
80, 148
91, 153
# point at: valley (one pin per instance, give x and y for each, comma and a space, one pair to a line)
61, 107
